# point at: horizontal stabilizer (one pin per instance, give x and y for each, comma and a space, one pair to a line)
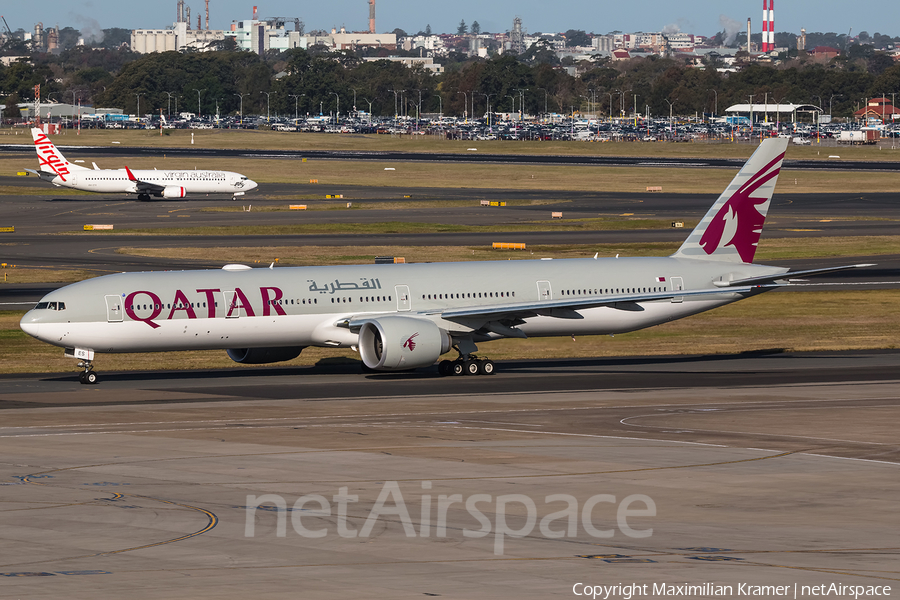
786, 276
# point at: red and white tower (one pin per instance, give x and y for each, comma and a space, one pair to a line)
768, 32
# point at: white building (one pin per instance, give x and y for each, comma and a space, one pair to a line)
426, 62
260, 36
179, 37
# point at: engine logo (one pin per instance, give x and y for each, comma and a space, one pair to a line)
410, 343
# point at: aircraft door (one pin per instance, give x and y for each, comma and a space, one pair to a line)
677, 286
113, 309
403, 299
231, 310
544, 291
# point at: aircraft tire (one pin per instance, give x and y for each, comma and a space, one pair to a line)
458, 368
90, 378
81, 378
485, 367
445, 367
472, 367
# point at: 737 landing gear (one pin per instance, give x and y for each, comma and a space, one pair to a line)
88, 376
468, 365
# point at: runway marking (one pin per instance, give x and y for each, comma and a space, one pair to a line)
75, 210
212, 521
756, 433
690, 406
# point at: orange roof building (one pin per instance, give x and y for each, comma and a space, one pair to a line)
878, 108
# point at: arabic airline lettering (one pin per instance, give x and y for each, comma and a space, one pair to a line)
404, 316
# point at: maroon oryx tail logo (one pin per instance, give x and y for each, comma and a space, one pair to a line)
739, 222
409, 343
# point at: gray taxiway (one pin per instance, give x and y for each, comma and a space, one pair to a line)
743, 470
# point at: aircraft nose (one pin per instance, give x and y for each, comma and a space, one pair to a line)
251, 185
30, 326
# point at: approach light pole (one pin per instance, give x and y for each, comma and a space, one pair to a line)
465, 106
241, 96
198, 100
268, 99
716, 109
296, 98
395, 102
670, 114
138, 96
169, 103
338, 113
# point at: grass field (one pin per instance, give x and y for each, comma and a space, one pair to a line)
300, 255
274, 140
782, 321
423, 175
773, 249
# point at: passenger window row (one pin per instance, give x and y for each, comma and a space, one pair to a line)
468, 295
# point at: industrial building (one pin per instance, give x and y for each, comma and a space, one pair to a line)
180, 37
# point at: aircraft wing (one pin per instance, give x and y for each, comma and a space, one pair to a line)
44, 175
566, 308
144, 187
785, 276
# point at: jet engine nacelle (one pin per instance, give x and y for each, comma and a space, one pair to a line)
263, 356
395, 343
173, 191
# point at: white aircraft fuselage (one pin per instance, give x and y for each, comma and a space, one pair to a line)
169, 183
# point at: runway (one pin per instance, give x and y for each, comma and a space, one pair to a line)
468, 157
755, 470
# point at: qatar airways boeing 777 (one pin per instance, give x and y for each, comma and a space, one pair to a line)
170, 183
404, 316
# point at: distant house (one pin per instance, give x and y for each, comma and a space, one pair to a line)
824, 53
878, 108
621, 54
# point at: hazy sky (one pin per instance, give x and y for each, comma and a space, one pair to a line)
703, 17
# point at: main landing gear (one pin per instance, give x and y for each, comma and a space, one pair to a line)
88, 376
466, 365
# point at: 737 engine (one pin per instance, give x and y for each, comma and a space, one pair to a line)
398, 343
173, 191
263, 356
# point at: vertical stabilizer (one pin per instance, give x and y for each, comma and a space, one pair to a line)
730, 230
50, 157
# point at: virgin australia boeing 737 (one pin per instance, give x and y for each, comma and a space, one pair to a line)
172, 183
405, 316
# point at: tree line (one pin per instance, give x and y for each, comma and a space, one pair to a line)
314, 81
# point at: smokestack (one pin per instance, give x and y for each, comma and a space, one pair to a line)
207, 15
371, 16
768, 32
187, 17
199, 24
254, 13
748, 35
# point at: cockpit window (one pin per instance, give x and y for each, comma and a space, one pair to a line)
50, 306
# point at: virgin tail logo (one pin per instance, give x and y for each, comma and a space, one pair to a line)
49, 156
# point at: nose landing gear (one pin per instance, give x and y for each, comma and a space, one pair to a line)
88, 376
